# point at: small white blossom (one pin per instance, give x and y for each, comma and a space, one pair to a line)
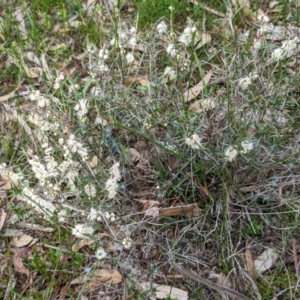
129, 58
170, 73
287, 49
115, 171
111, 186
110, 216
14, 177
171, 50
58, 79
244, 83
103, 54
82, 108
247, 146
263, 18
162, 27
82, 231
231, 153
127, 243
62, 216
187, 36
38, 203
90, 190
100, 253
194, 141
95, 215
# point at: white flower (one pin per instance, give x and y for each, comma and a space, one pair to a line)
231, 153
110, 216
58, 79
90, 190
95, 215
127, 243
61, 216
194, 141
75, 147
14, 177
247, 146
171, 50
170, 73
90, 48
38, 203
132, 41
287, 49
103, 54
162, 27
102, 67
82, 231
129, 58
82, 108
111, 186
244, 83
187, 35
171, 8
263, 18
115, 171
100, 253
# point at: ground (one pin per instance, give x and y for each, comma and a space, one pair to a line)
149, 149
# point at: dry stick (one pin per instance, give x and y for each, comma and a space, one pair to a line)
213, 286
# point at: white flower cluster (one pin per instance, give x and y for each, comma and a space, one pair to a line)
287, 49
39, 169
127, 243
102, 57
110, 216
111, 184
83, 231
194, 141
125, 38
73, 146
58, 80
162, 27
171, 50
42, 101
187, 36
245, 82
95, 215
38, 203
81, 108
232, 151
90, 190
100, 253
170, 74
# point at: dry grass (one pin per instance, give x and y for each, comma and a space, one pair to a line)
179, 199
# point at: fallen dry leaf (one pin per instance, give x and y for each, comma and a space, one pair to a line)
18, 262
2, 219
7, 97
265, 261
139, 80
21, 241
81, 244
94, 162
132, 156
190, 210
202, 105
99, 277
249, 262
201, 39
194, 91
164, 291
